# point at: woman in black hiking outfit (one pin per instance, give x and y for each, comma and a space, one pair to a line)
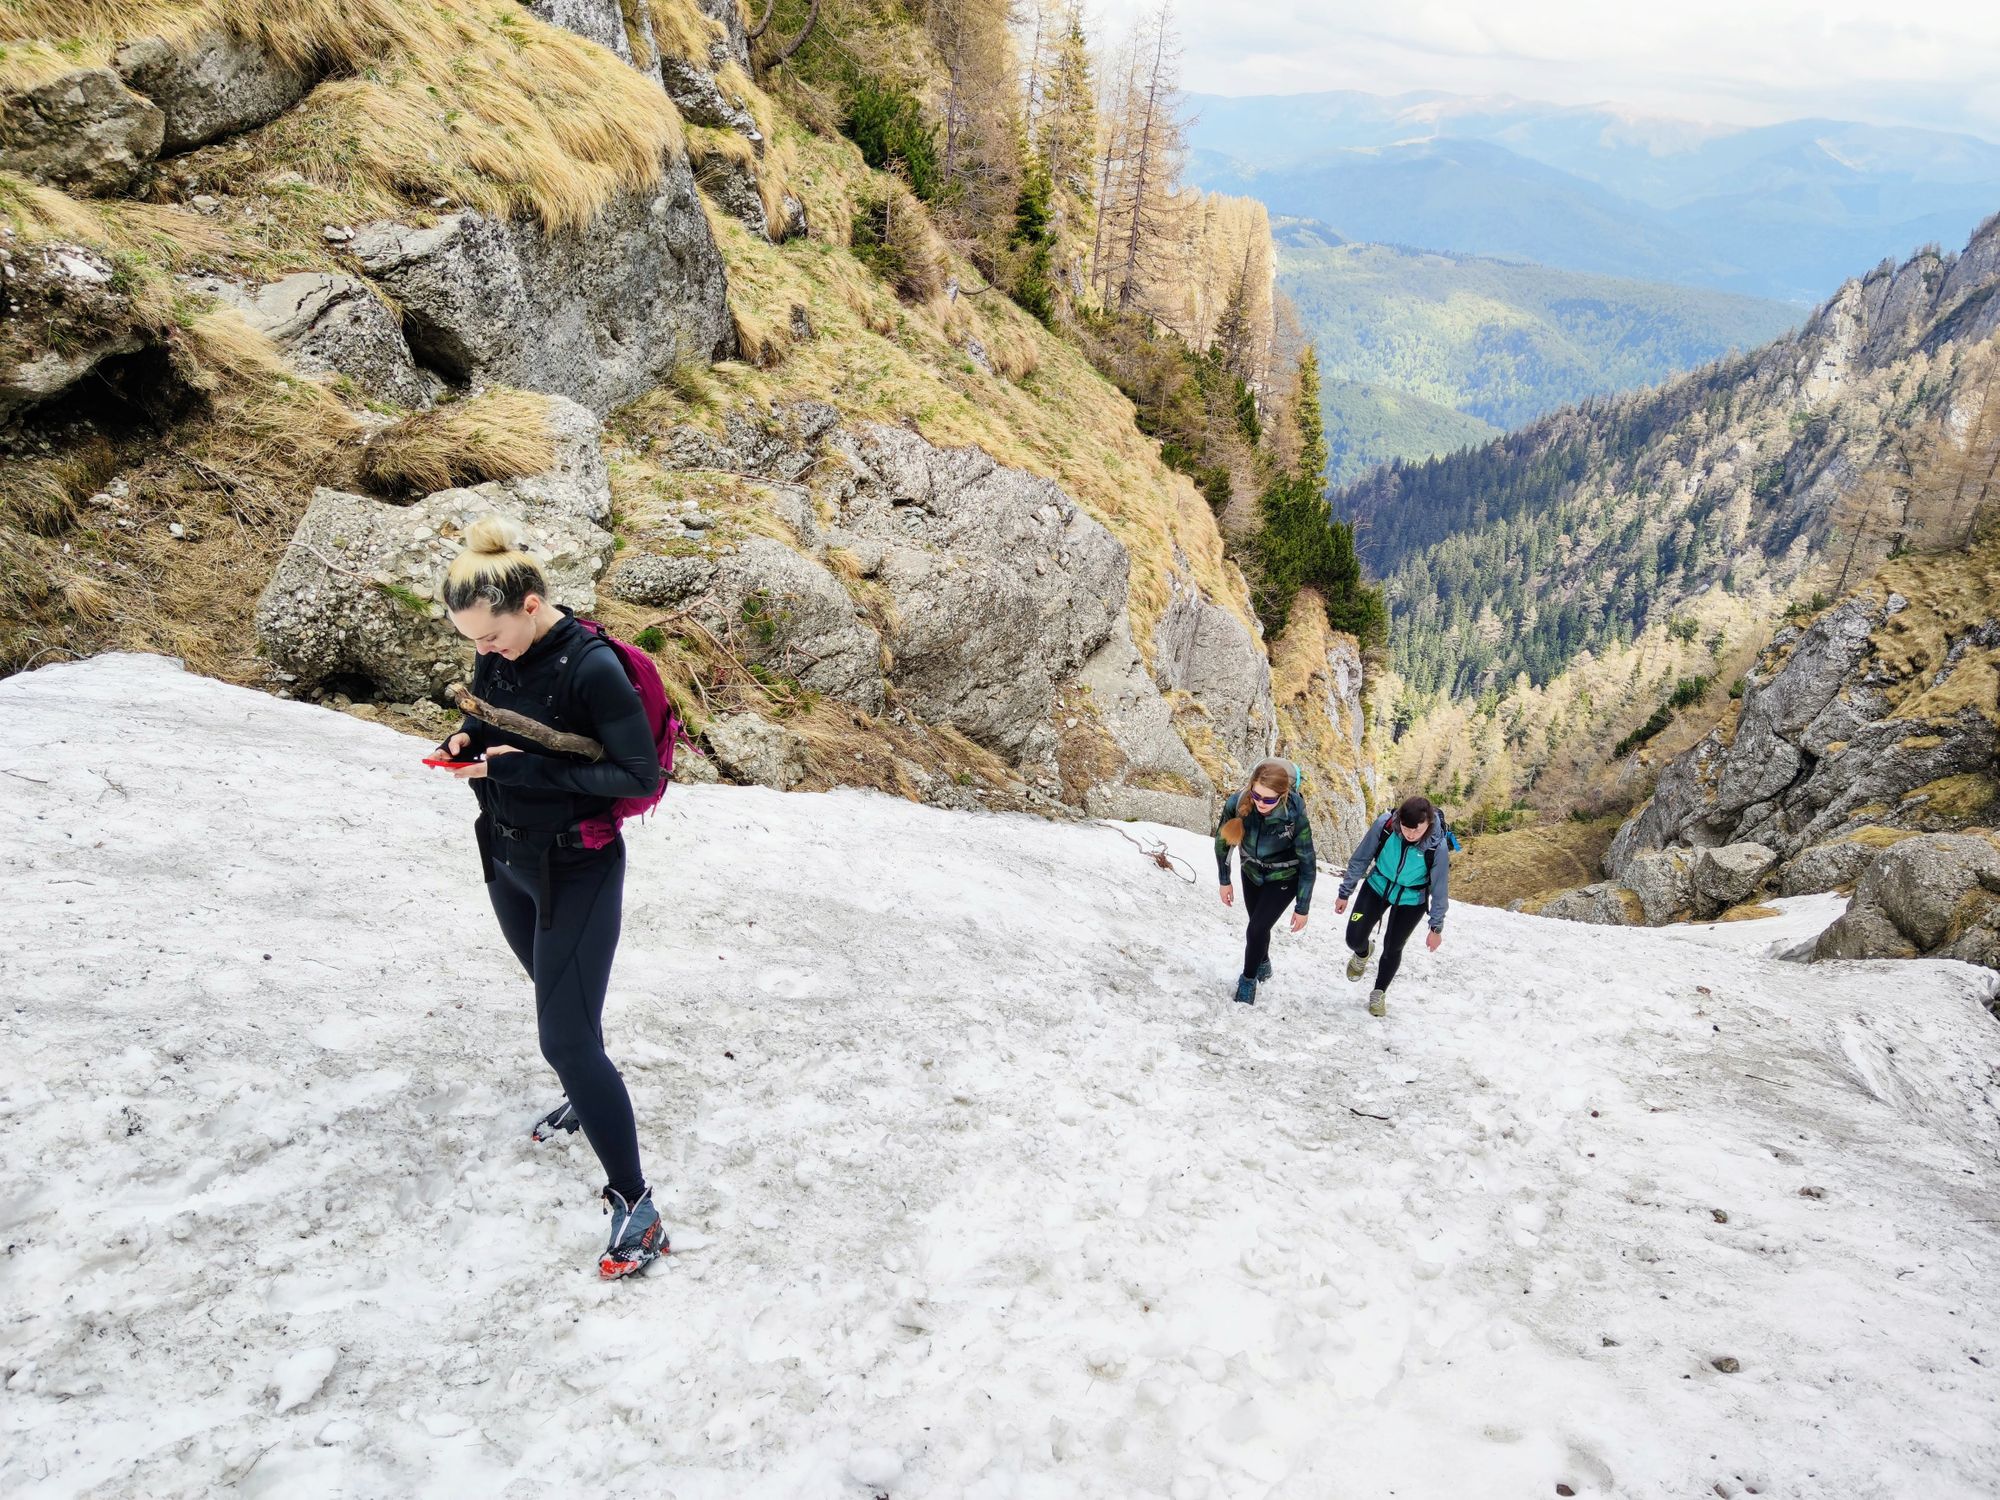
559, 902
1403, 865
1266, 824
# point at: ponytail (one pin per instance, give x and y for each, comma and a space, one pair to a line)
493, 568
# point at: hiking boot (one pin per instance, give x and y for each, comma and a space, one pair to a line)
638, 1238
562, 1117
1378, 1003
1246, 992
1264, 971
1357, 965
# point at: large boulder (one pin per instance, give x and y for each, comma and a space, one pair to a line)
780, 610
1936, 895
660, 582
62, 317
1727, 875
356, 594
1663, 884
215, 84
753, 749
601, 314
1204, 650
328, 324
82, 130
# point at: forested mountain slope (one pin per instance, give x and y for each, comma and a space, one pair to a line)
1667, 530
1491, 344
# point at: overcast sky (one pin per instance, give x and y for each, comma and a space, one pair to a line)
1932, 62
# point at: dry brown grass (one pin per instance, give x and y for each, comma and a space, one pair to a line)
474, 101
497, 434
1531, 863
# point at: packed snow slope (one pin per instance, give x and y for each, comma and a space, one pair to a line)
979, 1183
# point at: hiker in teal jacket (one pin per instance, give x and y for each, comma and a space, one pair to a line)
1402, 864
1267, 823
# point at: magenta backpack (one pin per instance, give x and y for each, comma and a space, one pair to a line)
644, 676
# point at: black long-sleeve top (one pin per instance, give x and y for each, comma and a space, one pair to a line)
540, 790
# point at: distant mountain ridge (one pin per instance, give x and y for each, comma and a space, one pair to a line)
1780, 211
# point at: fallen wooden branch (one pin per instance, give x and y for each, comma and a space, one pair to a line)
1366, 1116
558, 740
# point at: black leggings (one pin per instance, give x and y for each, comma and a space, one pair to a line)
1264, 904
1361, 919
570, 962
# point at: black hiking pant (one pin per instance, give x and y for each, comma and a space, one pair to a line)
1361, 919
1264, 904
569, 960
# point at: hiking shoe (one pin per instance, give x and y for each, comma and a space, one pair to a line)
562, 1117
1264, 971
638, 1238
1246, 992
1358, 964
1378, 1003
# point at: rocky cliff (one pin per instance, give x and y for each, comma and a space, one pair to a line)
1863, 756
1565, 580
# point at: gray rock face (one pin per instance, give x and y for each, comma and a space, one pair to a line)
661, 582
600, 315
82, 130
1129, 707
1002, 586
217, 85
735, 43
784, 611
1936, 895
1726, 876
1202, 649
753, 749
1817, 752
601, 21
356, 591
1605, 904
64, 317
330, 325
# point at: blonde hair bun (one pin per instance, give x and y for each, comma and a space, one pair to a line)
493, 568
492, 536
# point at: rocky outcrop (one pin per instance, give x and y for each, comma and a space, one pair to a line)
217, 84
65, 317
1203, 649
330, 325
984, 596
356, 593
732, 185
1605, 904
600, 314
1317, 681
83, 130
578, 482
783, 611
1879, 715
1930, 896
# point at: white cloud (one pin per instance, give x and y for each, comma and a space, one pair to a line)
1735, 61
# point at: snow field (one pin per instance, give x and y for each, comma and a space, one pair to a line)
979, 1185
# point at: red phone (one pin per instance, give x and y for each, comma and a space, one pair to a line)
448, 765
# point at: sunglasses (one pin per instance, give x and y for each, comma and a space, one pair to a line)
1262, 800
